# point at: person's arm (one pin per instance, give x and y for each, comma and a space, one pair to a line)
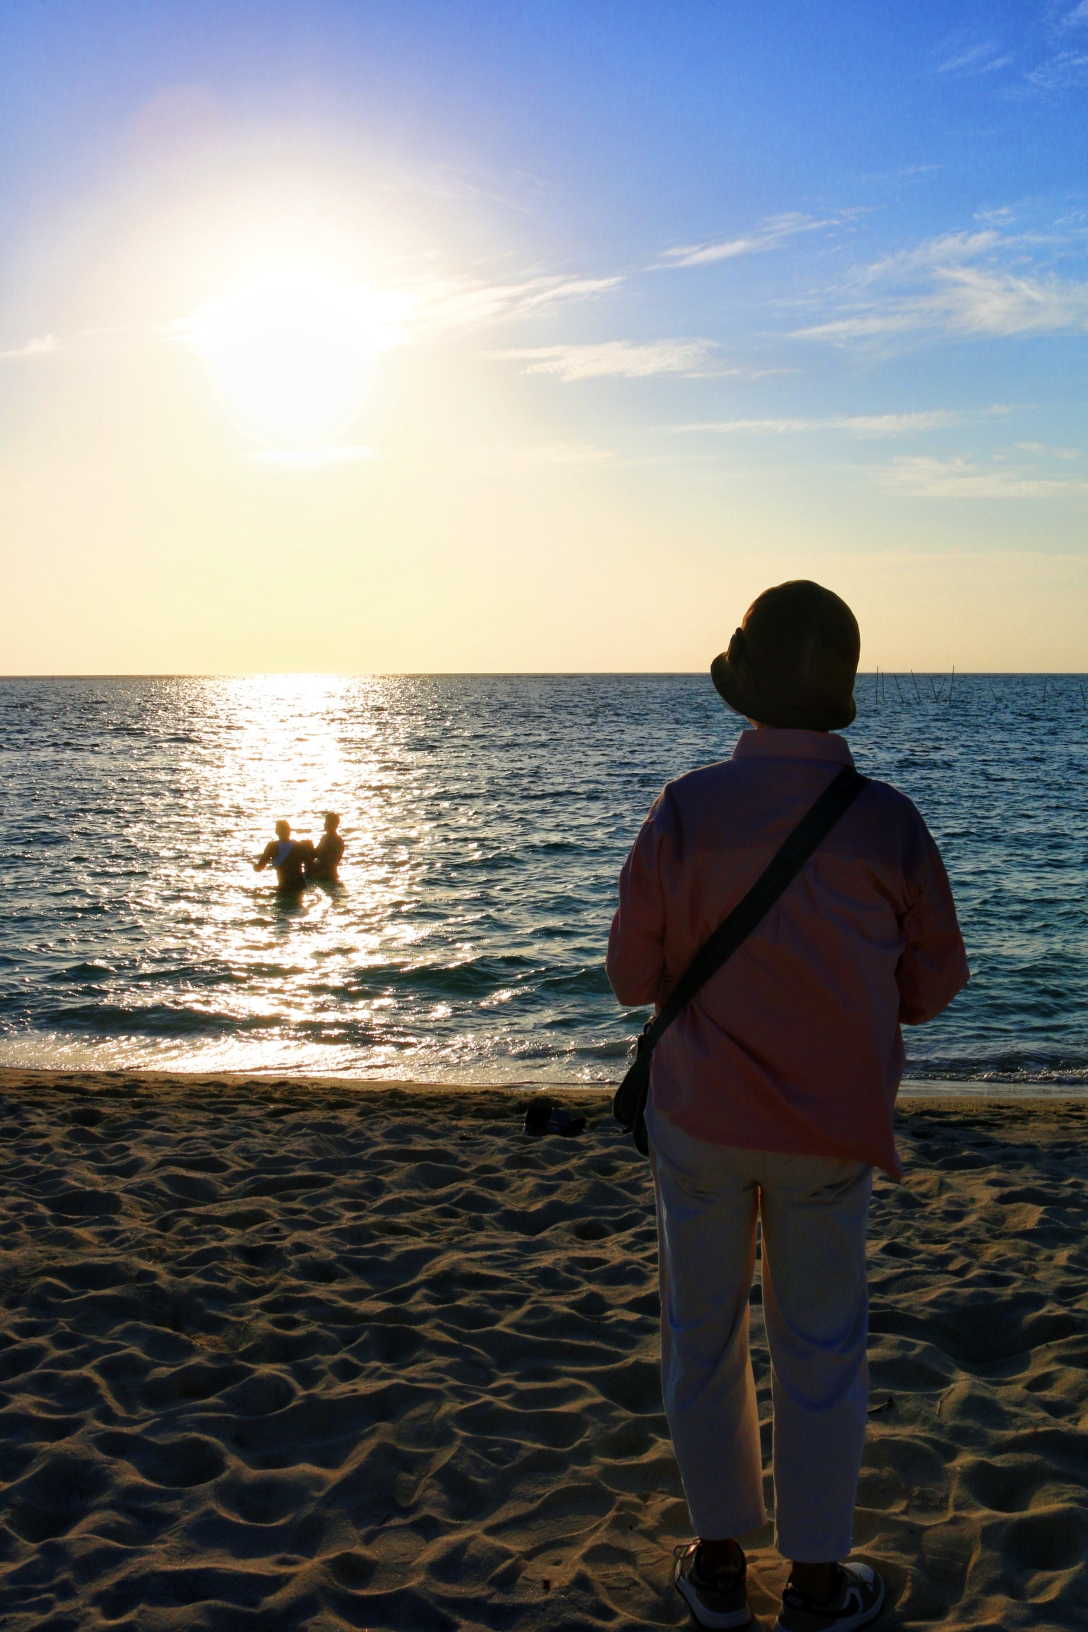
635, 963
269, 851
933, 967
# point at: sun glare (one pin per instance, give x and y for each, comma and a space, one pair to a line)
293, 352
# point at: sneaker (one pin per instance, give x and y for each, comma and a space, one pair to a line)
857, 1600
718, 1600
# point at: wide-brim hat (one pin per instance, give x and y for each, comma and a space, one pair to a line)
794, 659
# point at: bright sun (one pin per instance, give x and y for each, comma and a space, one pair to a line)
293, 352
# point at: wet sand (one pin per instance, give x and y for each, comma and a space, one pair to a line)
287, 1354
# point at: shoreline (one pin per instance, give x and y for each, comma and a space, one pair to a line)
939, 1090
313, 1352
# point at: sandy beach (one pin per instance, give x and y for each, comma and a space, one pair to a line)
315, 1354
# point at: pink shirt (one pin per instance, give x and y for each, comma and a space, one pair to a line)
795, 1044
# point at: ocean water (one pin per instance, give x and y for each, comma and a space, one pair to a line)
485, 820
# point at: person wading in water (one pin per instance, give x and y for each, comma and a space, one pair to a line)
288, 856
326, 858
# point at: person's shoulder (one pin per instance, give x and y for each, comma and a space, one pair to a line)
696, 789
894, 824
893, 805
698, 784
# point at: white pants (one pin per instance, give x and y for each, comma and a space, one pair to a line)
816, 1307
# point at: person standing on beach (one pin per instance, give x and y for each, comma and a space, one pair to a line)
330, 849
288, 856
771, 1100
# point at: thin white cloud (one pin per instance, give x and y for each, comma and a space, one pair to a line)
420, 309
461, 302
41, 347
1045, 449
973, 301
1062, 72
869, 425
776, 230
519, 456
982, 58
960, 479
904, 173
629, 359
1001, 215
313, 458
562, 453
1078, 15
948, 249
956, 284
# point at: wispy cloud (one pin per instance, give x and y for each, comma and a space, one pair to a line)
630, 359
420, 308
1049, 452
961, 479
981, 57
1066, 66
464, 302
496, 456
561, 453
1064, 71
957, 284
41, 347
948, 249
770, 234
1001, 215
905, 172
872, 425
312, 458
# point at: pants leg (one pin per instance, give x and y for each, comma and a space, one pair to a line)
706, 1220
816, 1306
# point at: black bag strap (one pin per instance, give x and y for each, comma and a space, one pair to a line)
809, 833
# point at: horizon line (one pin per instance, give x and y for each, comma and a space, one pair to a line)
498, 674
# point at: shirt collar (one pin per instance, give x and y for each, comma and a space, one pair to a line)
775, 743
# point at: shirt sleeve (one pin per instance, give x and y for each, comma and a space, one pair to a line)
635, 963
933, 966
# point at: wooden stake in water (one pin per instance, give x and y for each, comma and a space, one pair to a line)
1046, 677
917, 693
951, 683
895, 677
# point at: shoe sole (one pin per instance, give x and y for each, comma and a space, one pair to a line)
717, 1620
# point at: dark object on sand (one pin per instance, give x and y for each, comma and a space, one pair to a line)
885, 1405
543, 1117
629, 1105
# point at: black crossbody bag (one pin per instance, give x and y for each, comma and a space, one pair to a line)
629, 1104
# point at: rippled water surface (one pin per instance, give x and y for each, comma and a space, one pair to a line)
485, 821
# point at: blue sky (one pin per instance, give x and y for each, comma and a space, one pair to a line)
714, 294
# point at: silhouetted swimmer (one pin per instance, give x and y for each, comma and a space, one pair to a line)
288, 856
326, 858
